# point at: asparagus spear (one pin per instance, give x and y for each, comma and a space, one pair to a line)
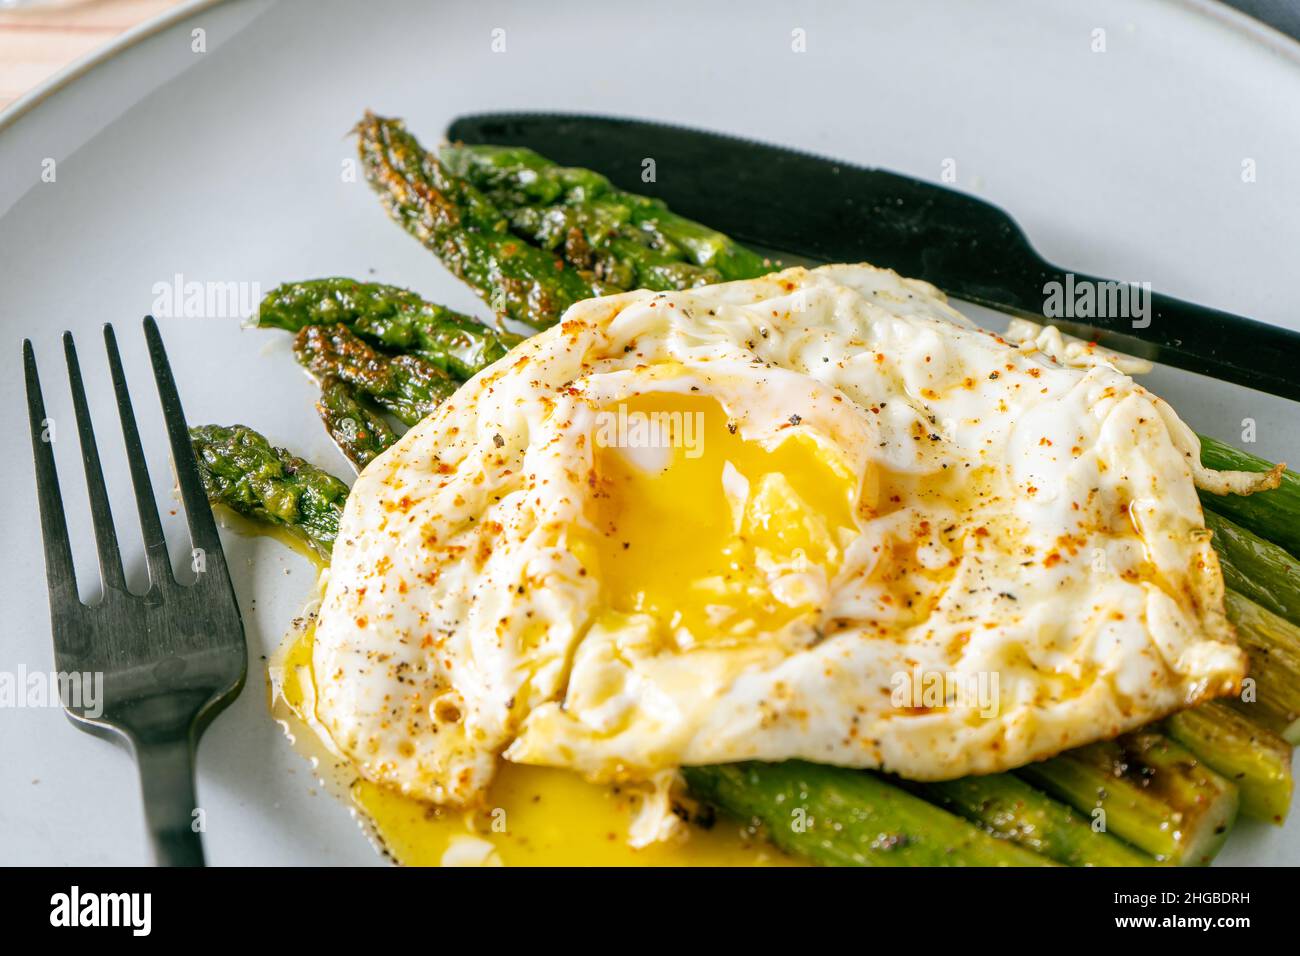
597, 236
515, 177
358, 429
1258, 569
467, 232
1273, 515
1012, 810
1263, 603
849, 818
1273, 644
522, 176
242, 471
406, 385
390, 316
1154, 792
1256, 760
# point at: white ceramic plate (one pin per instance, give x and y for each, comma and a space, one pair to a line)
226, 165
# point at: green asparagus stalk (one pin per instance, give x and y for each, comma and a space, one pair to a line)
467, 232
358, 429
1258, 761
522, 177
1273, 515
1154, 793
242, 471
389, 316
598, 237
1263, 603
1272, 693
406, 385
845, 817
517, 177
1012, 810
1261, 570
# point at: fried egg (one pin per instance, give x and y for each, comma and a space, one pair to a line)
815, 515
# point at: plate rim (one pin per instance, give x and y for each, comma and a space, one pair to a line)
81, 66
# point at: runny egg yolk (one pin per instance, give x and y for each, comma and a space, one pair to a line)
532, 816
714, 536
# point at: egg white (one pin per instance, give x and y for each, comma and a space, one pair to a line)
1010, 515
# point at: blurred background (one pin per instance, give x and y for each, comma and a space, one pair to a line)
39, 39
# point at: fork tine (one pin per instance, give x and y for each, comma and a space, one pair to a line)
203, 529
101, 513
54, 527
155, 544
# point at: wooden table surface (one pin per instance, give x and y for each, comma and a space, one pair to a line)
38, 41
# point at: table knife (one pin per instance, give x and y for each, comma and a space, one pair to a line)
822, 209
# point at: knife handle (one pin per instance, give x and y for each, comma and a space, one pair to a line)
1133, 319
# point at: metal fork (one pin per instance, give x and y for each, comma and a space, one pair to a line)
171, 658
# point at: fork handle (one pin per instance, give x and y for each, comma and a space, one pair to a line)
167, 779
